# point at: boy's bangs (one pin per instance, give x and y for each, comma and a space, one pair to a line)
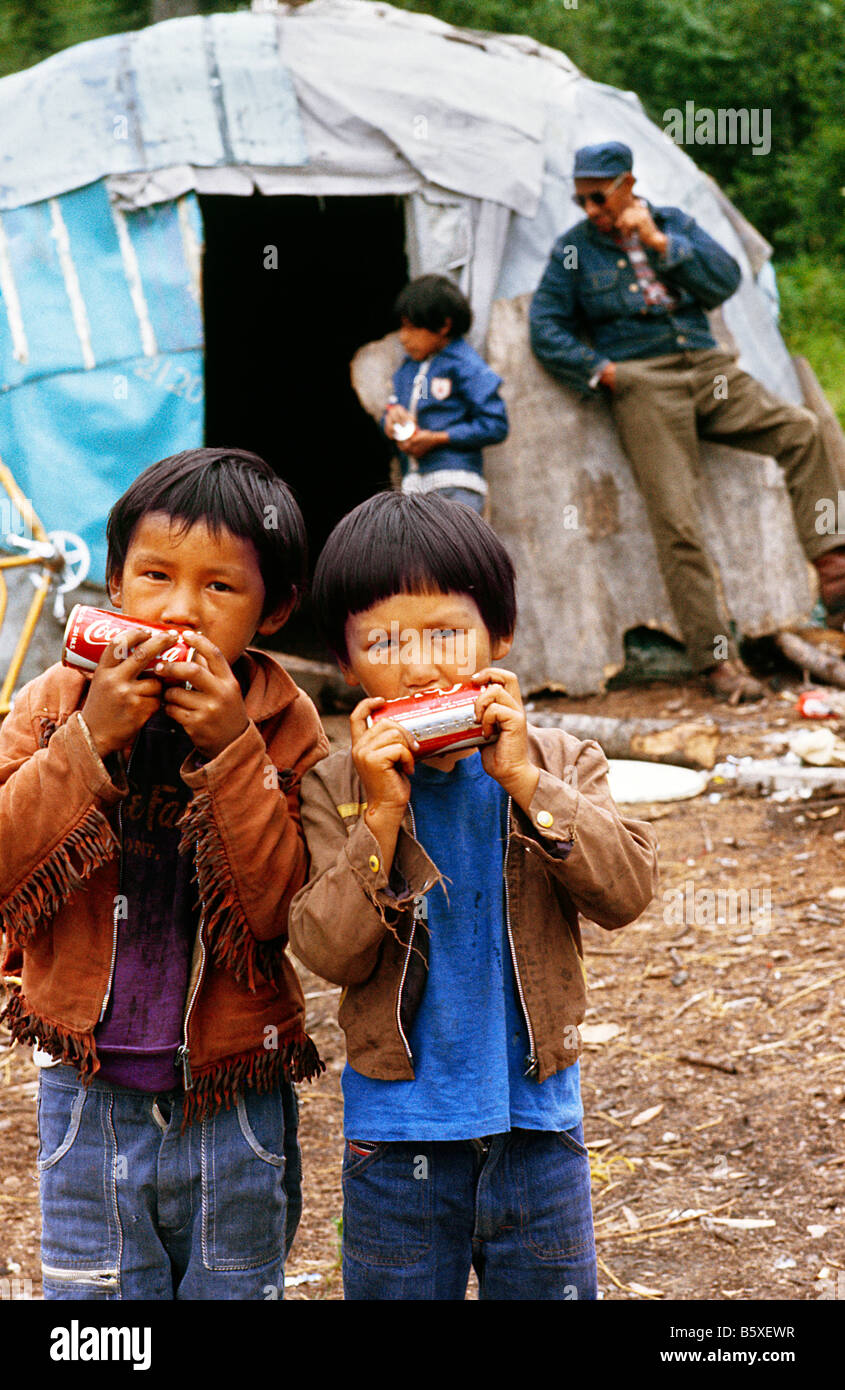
400, 544
229, 489
205, 496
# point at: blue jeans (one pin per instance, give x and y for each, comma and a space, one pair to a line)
515, 1206
133, 1208
476, 500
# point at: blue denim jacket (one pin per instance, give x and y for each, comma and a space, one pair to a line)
589, 288
462, 396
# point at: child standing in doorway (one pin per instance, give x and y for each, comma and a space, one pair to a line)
446, 404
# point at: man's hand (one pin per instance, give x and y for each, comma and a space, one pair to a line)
608, 376
383, 755
212, 712
424, 440
118, 703
500, 706
637, 220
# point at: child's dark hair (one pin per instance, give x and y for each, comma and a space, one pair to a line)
224, 488
400, 543
430, 300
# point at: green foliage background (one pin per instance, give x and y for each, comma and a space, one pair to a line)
784, 55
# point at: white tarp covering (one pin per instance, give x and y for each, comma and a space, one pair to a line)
477, 132
202, 90
344, 97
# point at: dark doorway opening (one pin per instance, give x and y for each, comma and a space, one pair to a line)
279, 342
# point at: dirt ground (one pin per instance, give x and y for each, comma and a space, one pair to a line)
713, 1071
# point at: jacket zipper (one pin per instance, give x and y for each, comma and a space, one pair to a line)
114, 918
531, 1059
420, 914
183, 1052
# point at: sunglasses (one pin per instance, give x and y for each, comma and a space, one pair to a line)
599, 198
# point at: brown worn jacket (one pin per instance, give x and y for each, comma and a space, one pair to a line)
59, 883
358, 926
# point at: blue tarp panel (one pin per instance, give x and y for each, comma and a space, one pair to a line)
204, 90
101, 366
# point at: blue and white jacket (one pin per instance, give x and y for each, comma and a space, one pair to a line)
459, 393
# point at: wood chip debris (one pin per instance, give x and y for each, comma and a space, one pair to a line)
738, 1223
645, 1115
696, 1060
649, 1226
641, 1290
593, 1034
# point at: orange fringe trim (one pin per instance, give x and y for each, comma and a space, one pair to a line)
65, 1044
34, 903
233, 946
220, 1084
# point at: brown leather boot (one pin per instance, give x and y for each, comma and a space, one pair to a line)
831, 571
732, 681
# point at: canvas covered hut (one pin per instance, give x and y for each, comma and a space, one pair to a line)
203, 222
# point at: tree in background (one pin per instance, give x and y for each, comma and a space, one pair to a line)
785, 56
33, 29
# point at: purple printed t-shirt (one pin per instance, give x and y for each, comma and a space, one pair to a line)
156, 919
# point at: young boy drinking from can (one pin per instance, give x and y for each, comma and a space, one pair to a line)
150, 846
444, 896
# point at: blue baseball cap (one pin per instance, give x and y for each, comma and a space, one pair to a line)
605, 161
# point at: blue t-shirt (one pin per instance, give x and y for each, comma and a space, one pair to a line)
469, 1040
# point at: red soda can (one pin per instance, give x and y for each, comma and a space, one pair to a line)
90, 630
442, 721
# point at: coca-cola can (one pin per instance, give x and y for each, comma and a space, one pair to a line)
90, 630
442, 721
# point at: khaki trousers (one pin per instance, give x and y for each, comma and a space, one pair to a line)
662, 405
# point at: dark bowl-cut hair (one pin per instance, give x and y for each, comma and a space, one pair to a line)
398, 543
430, 300
228, 488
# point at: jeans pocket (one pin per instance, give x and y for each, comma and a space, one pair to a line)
557, 1218
387, 1205
267, 1155
244, 1200
358, 1154
59, 1115
80, 1224
572, 1139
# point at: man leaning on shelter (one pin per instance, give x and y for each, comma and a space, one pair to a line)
637, 286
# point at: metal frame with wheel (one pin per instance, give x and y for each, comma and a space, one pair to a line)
63, 560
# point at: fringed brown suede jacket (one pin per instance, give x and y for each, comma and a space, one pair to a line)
360, 927
59, 884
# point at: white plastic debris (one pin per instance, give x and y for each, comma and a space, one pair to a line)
632, 782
